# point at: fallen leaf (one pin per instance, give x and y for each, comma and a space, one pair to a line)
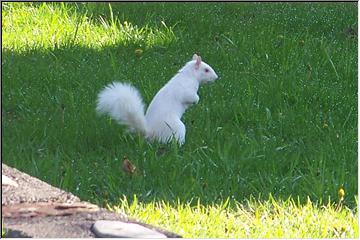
128, 166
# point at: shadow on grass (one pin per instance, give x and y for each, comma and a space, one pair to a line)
51, 131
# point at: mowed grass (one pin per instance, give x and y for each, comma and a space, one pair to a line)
282, 120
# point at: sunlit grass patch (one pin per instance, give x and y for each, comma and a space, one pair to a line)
254, 219
44, 26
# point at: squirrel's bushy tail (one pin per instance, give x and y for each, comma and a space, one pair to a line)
123, 102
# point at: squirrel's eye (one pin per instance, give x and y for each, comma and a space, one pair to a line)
206, 70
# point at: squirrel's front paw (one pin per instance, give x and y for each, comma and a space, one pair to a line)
197, 98
191, 100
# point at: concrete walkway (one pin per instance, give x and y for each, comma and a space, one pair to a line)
33, 208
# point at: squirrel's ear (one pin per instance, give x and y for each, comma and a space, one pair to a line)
198, 61
195, 56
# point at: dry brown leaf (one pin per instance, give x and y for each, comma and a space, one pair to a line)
128, 166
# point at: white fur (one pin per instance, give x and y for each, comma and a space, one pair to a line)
162, 120
124, 104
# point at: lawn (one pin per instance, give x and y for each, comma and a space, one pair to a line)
274, 138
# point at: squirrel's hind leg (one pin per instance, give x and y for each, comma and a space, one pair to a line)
179, 134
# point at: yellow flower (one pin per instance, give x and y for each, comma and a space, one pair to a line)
341, 193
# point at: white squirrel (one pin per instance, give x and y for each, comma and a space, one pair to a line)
123, 102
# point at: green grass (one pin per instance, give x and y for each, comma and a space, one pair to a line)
2, 228
66, 27
282, 120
